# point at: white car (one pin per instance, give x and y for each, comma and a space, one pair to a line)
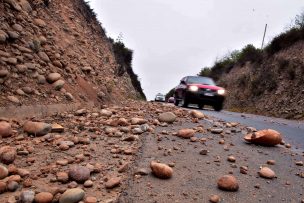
160, 98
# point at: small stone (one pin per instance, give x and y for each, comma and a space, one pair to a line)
90, 199
228, 183
186, 133
3, 73
167, 117
5, 129
44, 197
39, 22
271, 162
197, 114
106, 113
53, 77
113, 182
7, 154
288, 145
216, 130
13, 35
222, 141
141, 171
214, 199
231, 159
244, 169
13, 99
62, 177
44, 56
27, 196
13, 4
138, 121
23, 172
2, 187
3, 172
12, 186
88, 183
203, 152
299, 163
79, 173
161, 170
58, 85
72, 196
37, 128
267, 173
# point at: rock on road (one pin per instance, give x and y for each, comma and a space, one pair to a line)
262, 174
293, 131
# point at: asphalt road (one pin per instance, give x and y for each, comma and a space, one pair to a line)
195, 175
292, 131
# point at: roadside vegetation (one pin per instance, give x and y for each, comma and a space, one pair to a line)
255, 55
124, 57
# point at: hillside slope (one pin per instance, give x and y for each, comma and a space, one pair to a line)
63, 37
272, 86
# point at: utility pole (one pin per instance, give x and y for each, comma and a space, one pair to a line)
264, 36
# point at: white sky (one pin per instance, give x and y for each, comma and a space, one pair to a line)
175, 38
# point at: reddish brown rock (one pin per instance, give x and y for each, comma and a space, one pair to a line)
5, 129
161, 170
197, 114
43, 197
79, 173
90, 199
3, 172
2, 187
7, 154
267, 137
113, 182
266, 172
186, 133
214, 198
228, 183
37, 128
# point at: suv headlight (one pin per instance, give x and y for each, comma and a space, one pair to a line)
193, 88
221, 92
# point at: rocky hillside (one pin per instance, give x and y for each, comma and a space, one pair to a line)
268, 81
56, 52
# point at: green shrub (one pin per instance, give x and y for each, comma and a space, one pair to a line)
285, 40
124, 57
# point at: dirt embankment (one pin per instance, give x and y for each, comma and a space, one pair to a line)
62, 37
272, 87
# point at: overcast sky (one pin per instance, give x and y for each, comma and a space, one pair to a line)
175, 38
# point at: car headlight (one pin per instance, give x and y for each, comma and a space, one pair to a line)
221, 92
193, 88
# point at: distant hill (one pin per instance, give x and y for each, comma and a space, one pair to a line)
268, 81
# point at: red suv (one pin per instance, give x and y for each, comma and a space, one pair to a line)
201, 91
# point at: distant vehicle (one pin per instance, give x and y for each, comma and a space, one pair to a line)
201, 91
171, 100
160, 97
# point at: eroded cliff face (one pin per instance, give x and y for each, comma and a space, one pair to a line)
54, 52
272, 87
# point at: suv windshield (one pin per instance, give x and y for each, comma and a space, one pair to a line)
200, 80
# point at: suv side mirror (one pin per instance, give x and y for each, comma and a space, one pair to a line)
182, 82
